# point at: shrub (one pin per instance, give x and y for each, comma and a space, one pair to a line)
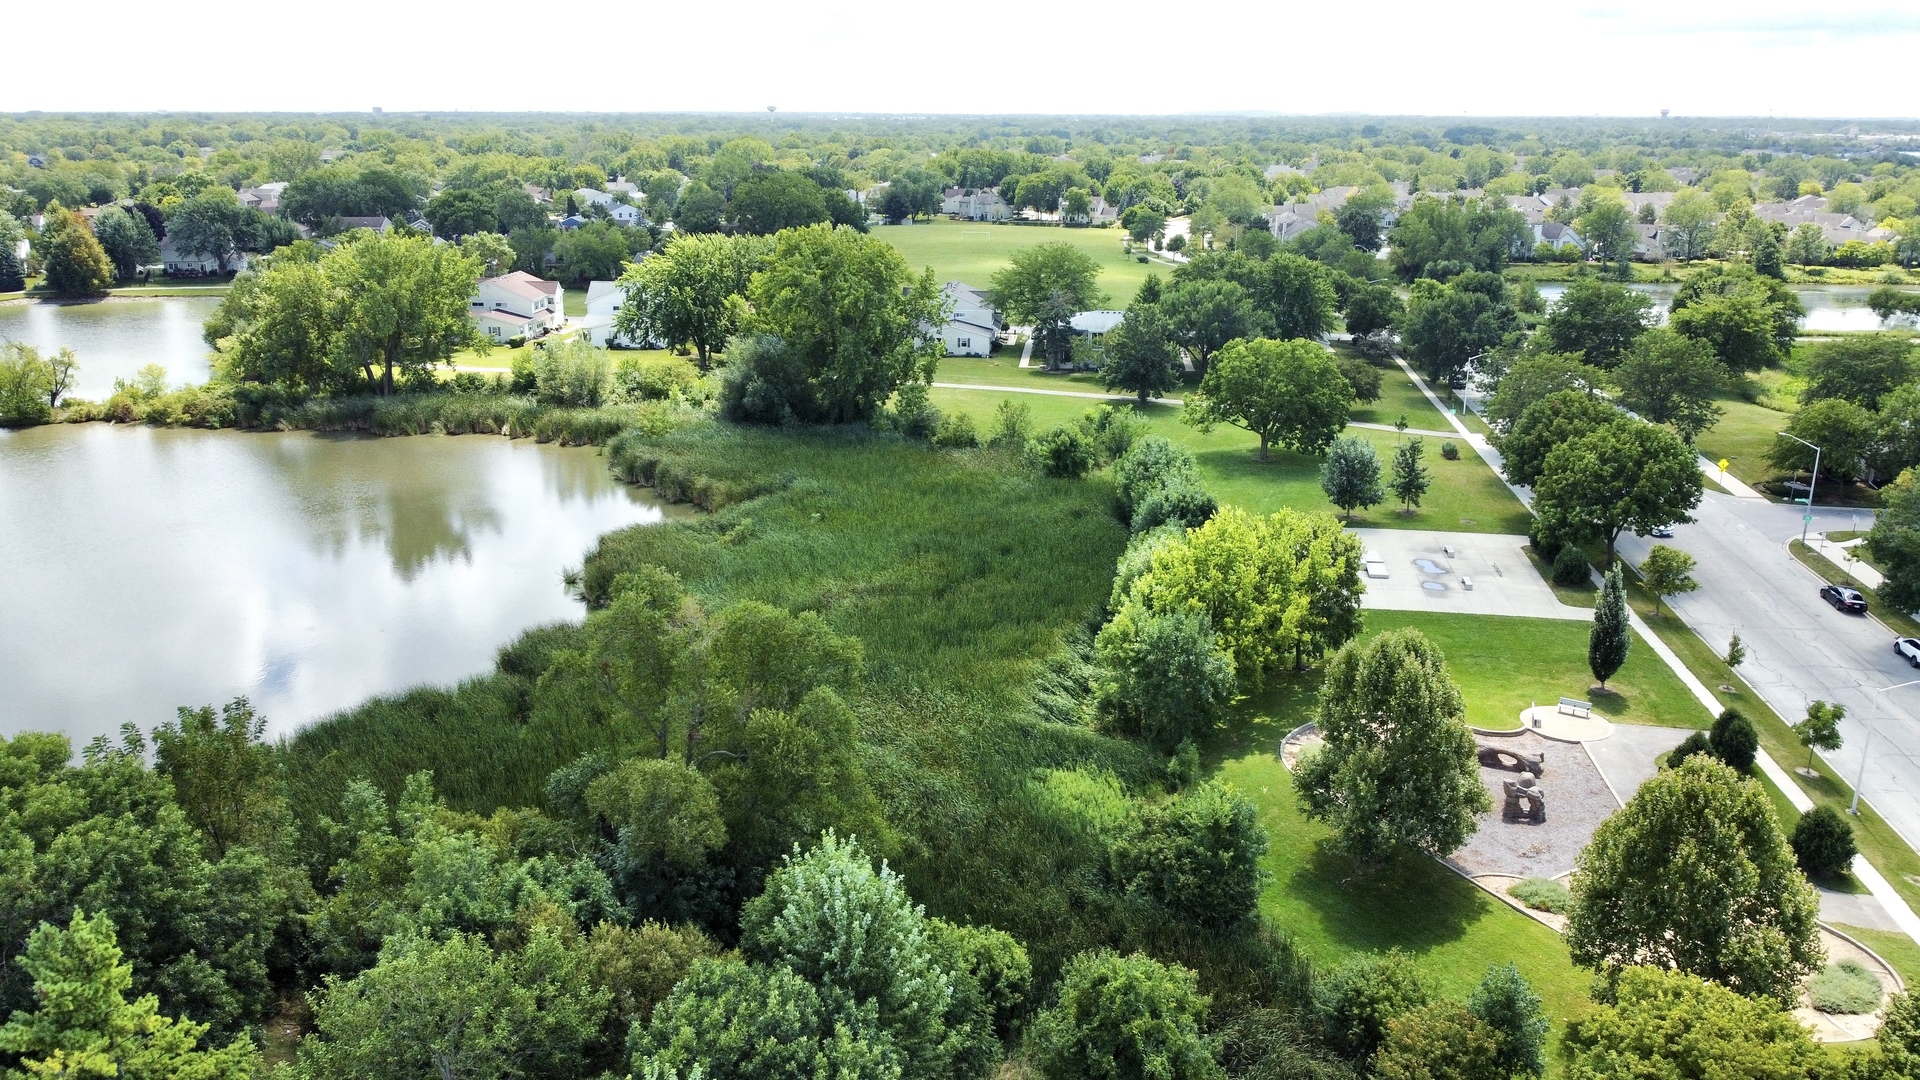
1361, 376
1150, 465
1197, 857
1543, 894
1570, 568
1695, 744
1823, 842
1847, 988
1112, 430
1543, 545
572, 374
1062, 452
1450, 451
1188, 504
1130, 1018
1358, 999
1734, 740
956, 431
1012, 424
645, 377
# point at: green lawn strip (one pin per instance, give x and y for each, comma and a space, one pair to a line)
1003, 369
1893, 946
1899, 622
573, 303
1877, 840
1398, 398
1454, 929
1505, 664
1465, 495
1743, 436
970, 251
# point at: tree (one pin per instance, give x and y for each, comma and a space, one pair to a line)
690, 291
1736, 651
1141, 357
75, 264
1823, 843
1750, 321
1410, 477
851, 315
1858, 369
82, 1025
1163, 676
699, 209
456, 1008
1207, 314
1821, 729
1351, 475
1123, 1018
1845, 433
730, 1018
1598, 319
1357, 1002
1051, 273
1607, 226
13, 276
225, 778
1535, 376
1294, 296
1690, 219
1694, 874
1441, 1041
460, 212
279, 325
1895, 541
1667, 571
1623, 475
1289, 392
1361, 215
1671, 1023
126, 239
1609, 639
402, 304
596, 251
1397, 767
1480, 235
1508, 1004
1733, 740
494, 252
212, 223
767, 202
1197, 856
1372, 308
1447, 325
1807, 246
1670, 379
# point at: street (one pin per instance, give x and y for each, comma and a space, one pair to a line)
1799, 648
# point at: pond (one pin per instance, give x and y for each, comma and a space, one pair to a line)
116, 337
1829, 307
145, 569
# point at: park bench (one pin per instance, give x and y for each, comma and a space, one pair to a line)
1575, 707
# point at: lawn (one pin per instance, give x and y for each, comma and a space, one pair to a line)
1453, 928
970, 251
1465, 496
1504, 665
1400, 397
1893, 946
1743, 437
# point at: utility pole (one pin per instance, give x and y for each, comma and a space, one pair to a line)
1806, 519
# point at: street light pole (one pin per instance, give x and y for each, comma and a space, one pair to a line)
1861, 777
1806, 519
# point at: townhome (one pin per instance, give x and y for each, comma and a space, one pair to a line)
973, 325
516, 305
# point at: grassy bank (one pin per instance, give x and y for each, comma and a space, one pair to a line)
970, 251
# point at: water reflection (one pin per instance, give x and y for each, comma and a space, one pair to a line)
1829, 307
143, 569
115, 338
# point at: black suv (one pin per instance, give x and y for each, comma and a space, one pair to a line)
1844, 599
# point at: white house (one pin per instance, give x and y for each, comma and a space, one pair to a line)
603, 303
178, 263
626, 214
983, 204
586, 196
1096, 323
516, 305
972, 324
1557, 236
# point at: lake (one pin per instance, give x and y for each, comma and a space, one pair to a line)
115, 338
1829, 307
144, 569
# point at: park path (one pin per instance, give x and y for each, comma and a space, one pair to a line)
1051, 393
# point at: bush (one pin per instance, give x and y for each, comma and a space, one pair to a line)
1543, 545
572, 374
1543, 894
1112, 430
1847, 988
643, 377
1358, 999
1130, 1018
1450, 451
1361, 376
1188, 504
1570, 568
1150, 466
1012, 424
764, 383
1734, 741
1823, 842
1062, 452
1695, 744
956, 431
1197, 857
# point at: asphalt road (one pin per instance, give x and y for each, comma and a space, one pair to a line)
1798, 648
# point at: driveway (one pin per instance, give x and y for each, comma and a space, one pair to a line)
1429, 571
1798, 648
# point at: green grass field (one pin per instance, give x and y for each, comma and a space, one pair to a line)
1465, 497
1743, 437
970, 251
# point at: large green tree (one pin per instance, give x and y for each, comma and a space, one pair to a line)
767, 202
1545, 425
400, 305
1350, 476
1598, 319
1478, 235
1163, 675
1749, 320
1289, 392
1141, 357
691, 291
1670, 379
74, 262
1858, 369
1623, 476
127, 239
1690, 220
1694, 874
857, 322
1034, 276
1847, 436
1446, 325
1895, 541
1197, 856
1124, 1018
1207, 314
1672, 1024
1397, 766
1532, 376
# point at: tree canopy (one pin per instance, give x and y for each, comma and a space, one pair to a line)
1622, 476
1289, 392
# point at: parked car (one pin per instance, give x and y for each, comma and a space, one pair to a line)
1664, 532
1844, 599
1908, 648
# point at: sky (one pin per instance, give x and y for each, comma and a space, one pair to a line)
1846, 58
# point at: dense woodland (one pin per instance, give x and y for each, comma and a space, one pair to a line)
898, 758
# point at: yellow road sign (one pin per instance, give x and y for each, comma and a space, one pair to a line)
1723, 464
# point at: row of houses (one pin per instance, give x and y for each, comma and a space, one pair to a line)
987, 204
